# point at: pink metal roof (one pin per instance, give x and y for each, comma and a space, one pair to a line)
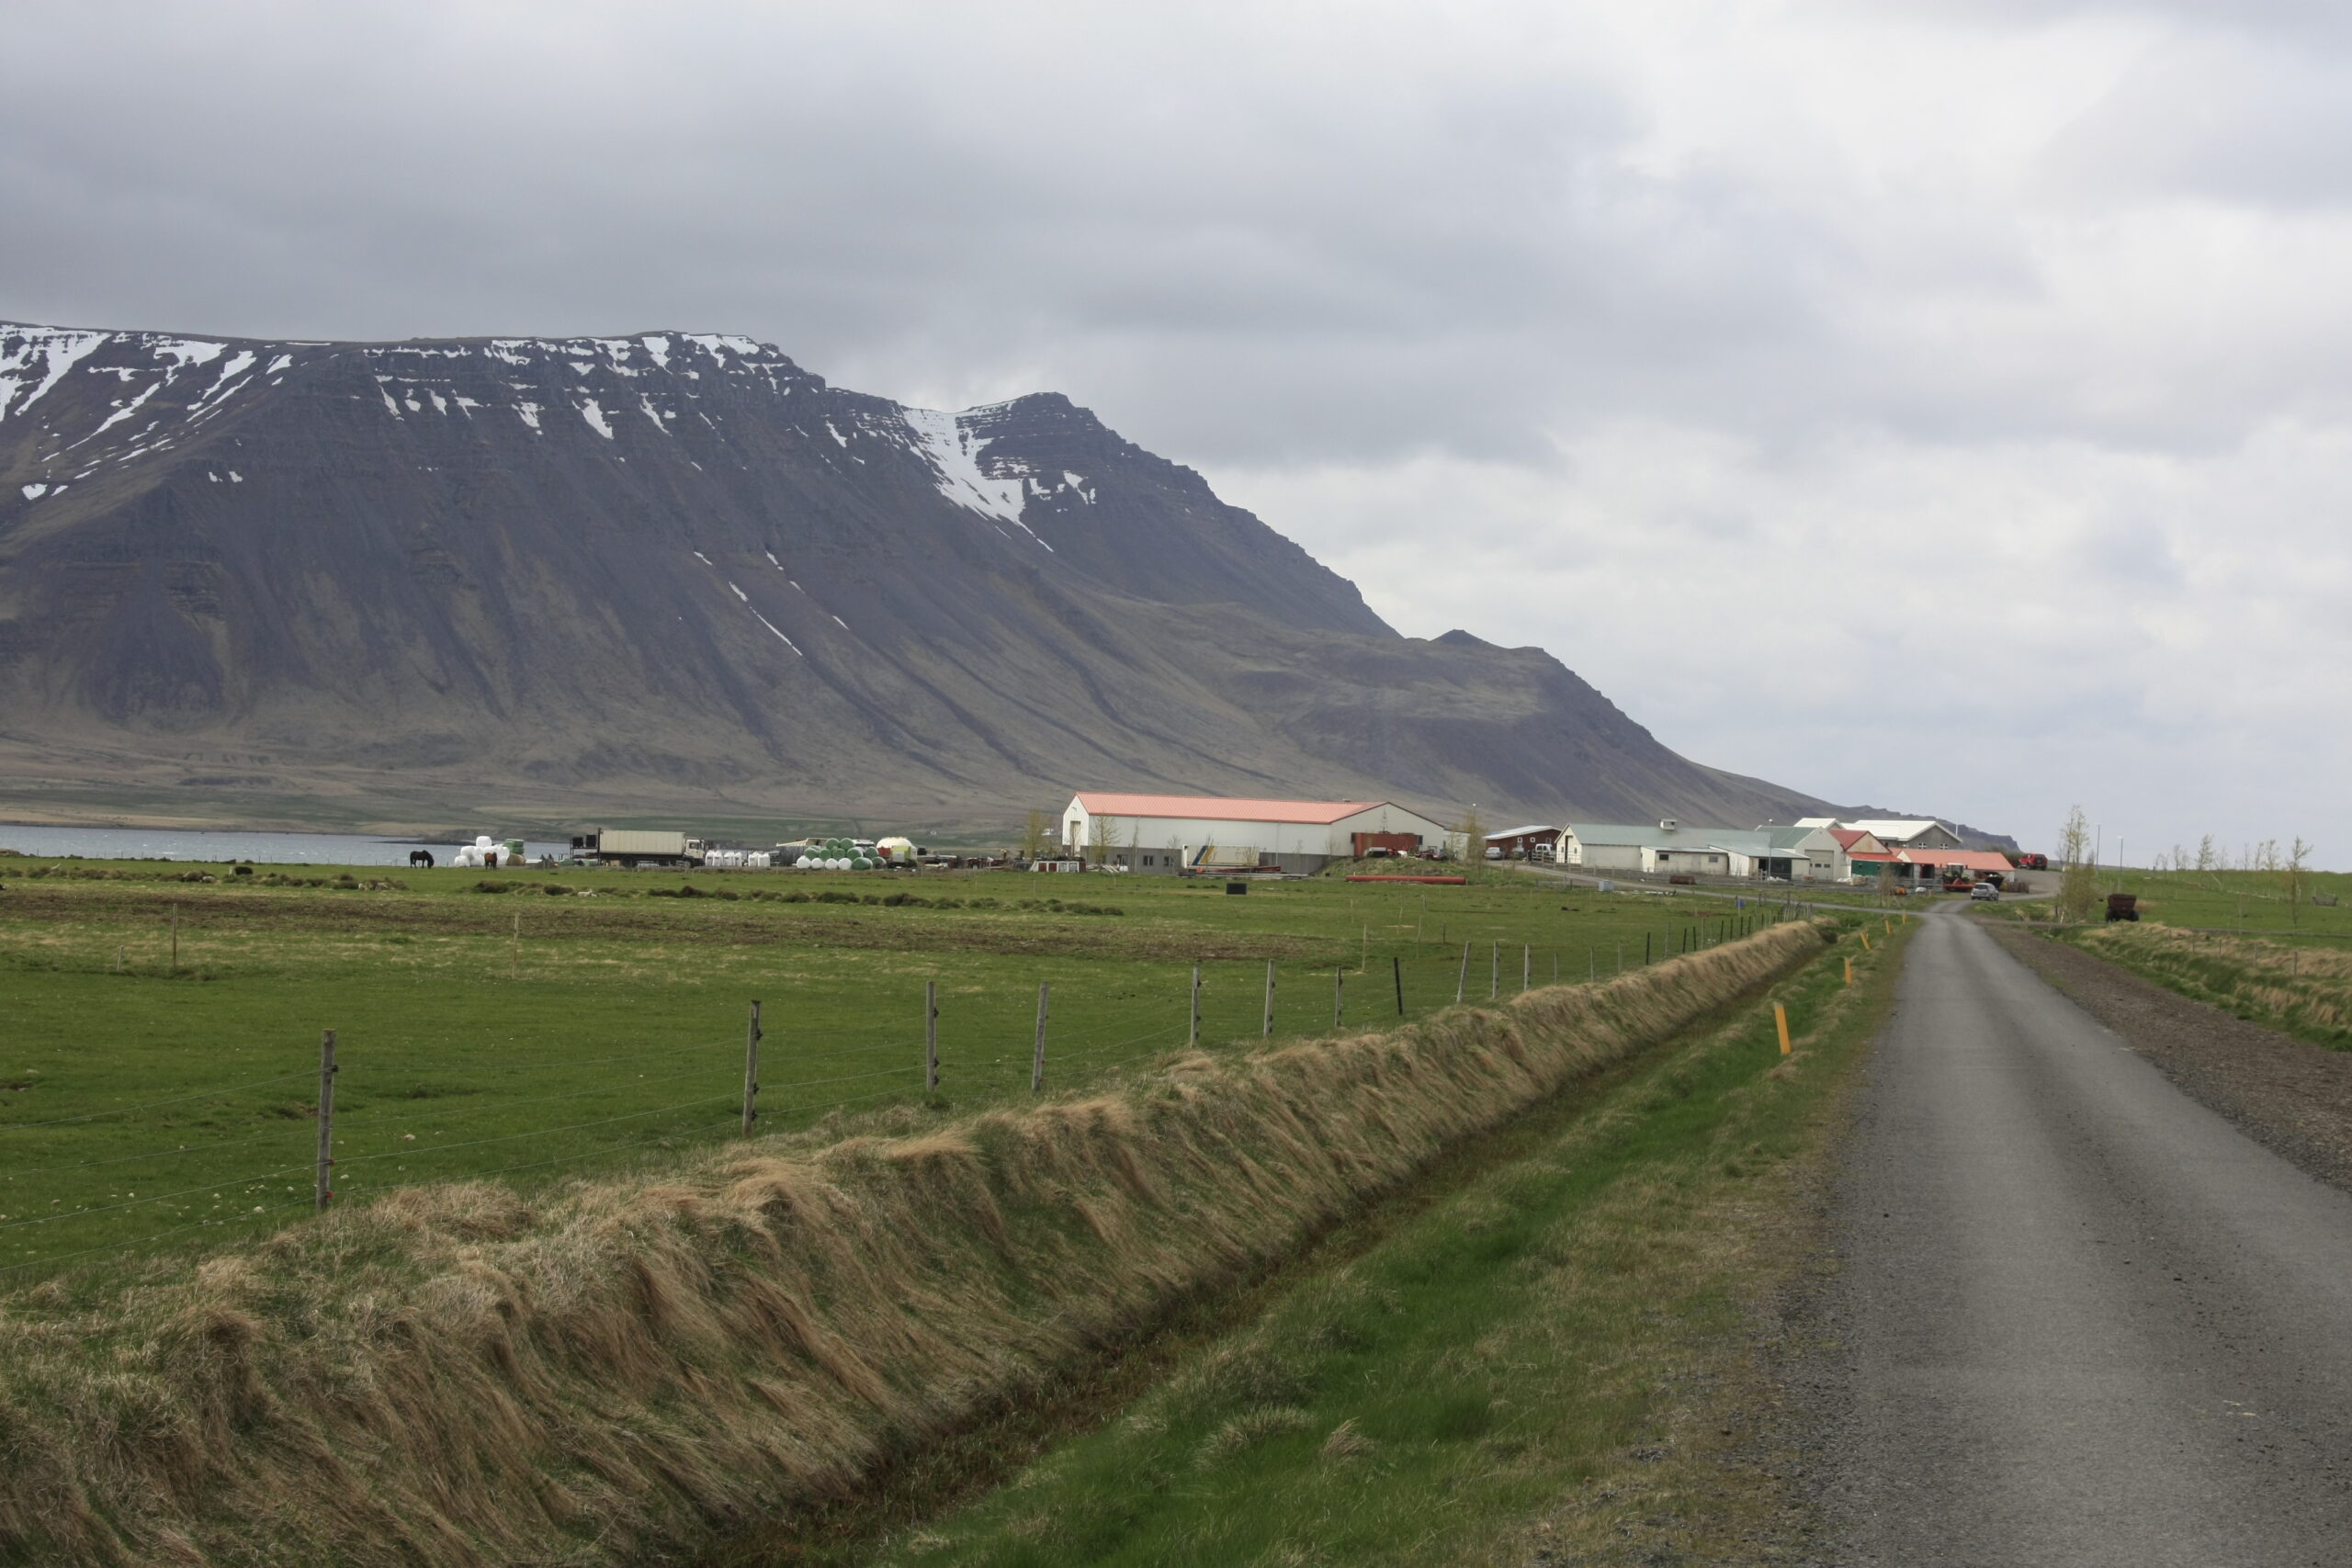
1217, 808
1974, 860
1847, 836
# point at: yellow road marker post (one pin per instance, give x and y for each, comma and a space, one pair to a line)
1866, 940
1849, 971
1781, 1020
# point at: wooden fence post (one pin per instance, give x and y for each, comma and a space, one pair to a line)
322, 1187
1526, 966
1037, 1057
1338, 994
930, 1036
751, 1071
1269, 1028
175, 938
1193, 1036
1495, 971
1462, 981
1397, 966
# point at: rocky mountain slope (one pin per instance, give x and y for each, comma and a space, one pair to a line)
677, 570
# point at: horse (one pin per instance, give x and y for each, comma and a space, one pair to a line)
420, 857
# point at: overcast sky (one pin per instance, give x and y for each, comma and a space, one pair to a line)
1943, 406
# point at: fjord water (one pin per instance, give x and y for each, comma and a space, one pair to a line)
205, 845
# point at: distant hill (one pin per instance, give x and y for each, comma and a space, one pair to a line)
676, 572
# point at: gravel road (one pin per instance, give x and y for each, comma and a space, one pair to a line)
2080, 1318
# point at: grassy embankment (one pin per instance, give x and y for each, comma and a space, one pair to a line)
1553, 1364
2232, 938
145, 1106
458, 1375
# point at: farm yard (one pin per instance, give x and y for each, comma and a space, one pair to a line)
159, 1074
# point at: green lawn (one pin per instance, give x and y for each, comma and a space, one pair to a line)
578, 1021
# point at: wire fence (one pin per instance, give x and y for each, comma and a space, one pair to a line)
409, 1119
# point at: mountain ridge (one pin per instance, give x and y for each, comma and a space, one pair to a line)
680, 571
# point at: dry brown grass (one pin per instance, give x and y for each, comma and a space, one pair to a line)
2304, 989
455, 1377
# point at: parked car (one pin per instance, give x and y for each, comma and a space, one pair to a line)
1985, 893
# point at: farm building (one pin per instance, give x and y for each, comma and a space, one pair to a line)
1894, 833
1173, 833
1930, 864
1855, 841
1797, 854
1665, 847
1535, 842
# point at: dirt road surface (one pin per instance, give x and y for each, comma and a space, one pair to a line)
2079, 1319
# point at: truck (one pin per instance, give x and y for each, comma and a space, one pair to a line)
632, 847
2123, 906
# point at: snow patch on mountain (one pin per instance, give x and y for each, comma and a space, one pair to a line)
58, 352
954, 454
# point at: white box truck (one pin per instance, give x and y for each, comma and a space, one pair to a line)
633, 847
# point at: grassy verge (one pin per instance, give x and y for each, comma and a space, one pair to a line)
2298, 988
1551, 1364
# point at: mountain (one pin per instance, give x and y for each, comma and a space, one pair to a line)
416, 583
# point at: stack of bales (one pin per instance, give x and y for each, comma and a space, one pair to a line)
838, 854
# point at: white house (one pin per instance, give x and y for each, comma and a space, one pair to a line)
1171, 832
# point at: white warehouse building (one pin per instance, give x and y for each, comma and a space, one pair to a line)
1172, 832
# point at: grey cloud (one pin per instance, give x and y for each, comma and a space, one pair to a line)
1408, 271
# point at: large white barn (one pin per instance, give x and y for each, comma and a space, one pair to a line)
1171, 832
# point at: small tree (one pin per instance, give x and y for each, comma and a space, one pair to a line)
2299, 861
1099, 840
1473, 834
1032, 837
2077, 878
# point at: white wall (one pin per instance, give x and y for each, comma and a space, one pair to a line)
1690, 862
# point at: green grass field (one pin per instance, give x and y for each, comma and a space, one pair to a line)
2253, 902
575, 1022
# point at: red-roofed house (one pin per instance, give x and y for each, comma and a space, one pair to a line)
1858, 841
1171, 832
